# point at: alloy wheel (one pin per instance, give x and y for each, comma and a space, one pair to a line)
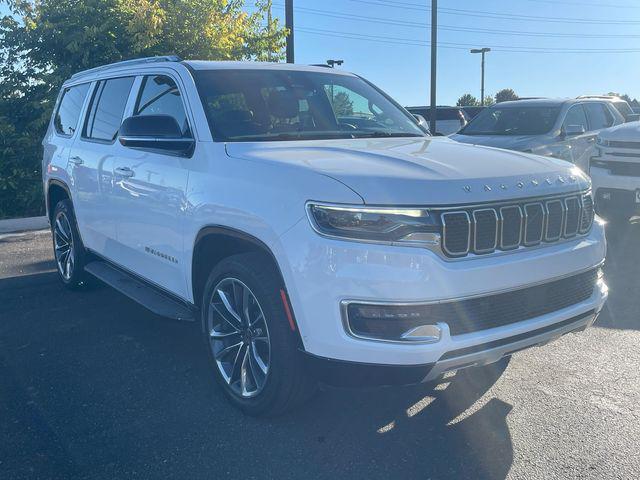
63, 244
239, 337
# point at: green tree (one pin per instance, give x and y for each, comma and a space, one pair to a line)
505, 95
43, 42
342, 104
623, 96
467, 100
489, 100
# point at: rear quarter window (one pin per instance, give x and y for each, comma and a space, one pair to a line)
65, 120
107, 108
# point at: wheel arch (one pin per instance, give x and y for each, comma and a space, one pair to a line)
56, 191
213, 244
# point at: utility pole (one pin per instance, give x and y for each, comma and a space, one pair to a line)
288, 22
434, 49
481, 51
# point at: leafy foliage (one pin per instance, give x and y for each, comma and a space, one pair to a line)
505, 95
467, 100
342, 104
489, 100
43, 42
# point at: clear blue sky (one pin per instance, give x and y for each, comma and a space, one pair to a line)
403, 70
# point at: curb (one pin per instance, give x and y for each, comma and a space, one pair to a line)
23, 224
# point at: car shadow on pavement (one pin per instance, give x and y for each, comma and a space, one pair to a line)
96, 386
623, 277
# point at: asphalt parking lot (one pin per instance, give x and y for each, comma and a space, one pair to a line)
94, 386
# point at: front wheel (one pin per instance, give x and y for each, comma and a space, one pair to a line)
250, 342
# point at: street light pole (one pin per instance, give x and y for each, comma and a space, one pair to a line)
481, 51
434, 50
288, 23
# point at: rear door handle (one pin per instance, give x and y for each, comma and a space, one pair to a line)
124, 172
76, 160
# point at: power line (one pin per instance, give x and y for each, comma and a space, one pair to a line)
423, 26
497, 15
585, 4
459, 46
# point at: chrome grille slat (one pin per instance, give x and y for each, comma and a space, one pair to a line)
451, 228
555, 220
512, 233
483, 229
534, 220
574, 215
586, 220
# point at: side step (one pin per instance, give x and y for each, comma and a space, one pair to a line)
138, 290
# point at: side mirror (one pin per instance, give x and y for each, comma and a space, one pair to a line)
156, 132
632, 117
573, 130
422, 123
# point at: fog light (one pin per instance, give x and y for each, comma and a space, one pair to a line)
398, 323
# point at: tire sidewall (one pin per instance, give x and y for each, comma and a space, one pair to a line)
77, 277
265, 285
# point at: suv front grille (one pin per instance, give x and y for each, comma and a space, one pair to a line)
627, 169
622, 144
485, 229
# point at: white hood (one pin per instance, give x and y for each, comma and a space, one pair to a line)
421, 171
625, 132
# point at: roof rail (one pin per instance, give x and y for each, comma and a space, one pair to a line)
124, 63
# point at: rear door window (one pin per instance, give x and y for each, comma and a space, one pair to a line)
159, 95
66, 118
598, 115
107, 109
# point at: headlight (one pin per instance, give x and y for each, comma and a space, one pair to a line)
376, 224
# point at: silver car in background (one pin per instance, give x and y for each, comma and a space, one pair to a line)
448, 119
565, 129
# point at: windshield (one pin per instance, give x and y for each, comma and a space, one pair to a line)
258, 105
513, 121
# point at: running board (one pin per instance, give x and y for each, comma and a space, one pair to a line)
138, 290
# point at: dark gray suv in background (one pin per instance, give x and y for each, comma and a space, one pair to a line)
565, 129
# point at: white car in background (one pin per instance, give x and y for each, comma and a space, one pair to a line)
448, 119
619, 104
615, 172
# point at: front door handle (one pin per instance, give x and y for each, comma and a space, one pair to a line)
76, 160
124, 172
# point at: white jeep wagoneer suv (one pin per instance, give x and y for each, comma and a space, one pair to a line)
311, 226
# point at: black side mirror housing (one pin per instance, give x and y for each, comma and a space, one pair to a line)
573, 130
155, 132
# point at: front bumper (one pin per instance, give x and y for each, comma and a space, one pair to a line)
352, 374
321, 273
615, 193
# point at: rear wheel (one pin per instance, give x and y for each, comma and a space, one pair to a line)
68, 250
252, 347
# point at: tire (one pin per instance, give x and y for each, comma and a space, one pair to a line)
253, 350
69, 252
